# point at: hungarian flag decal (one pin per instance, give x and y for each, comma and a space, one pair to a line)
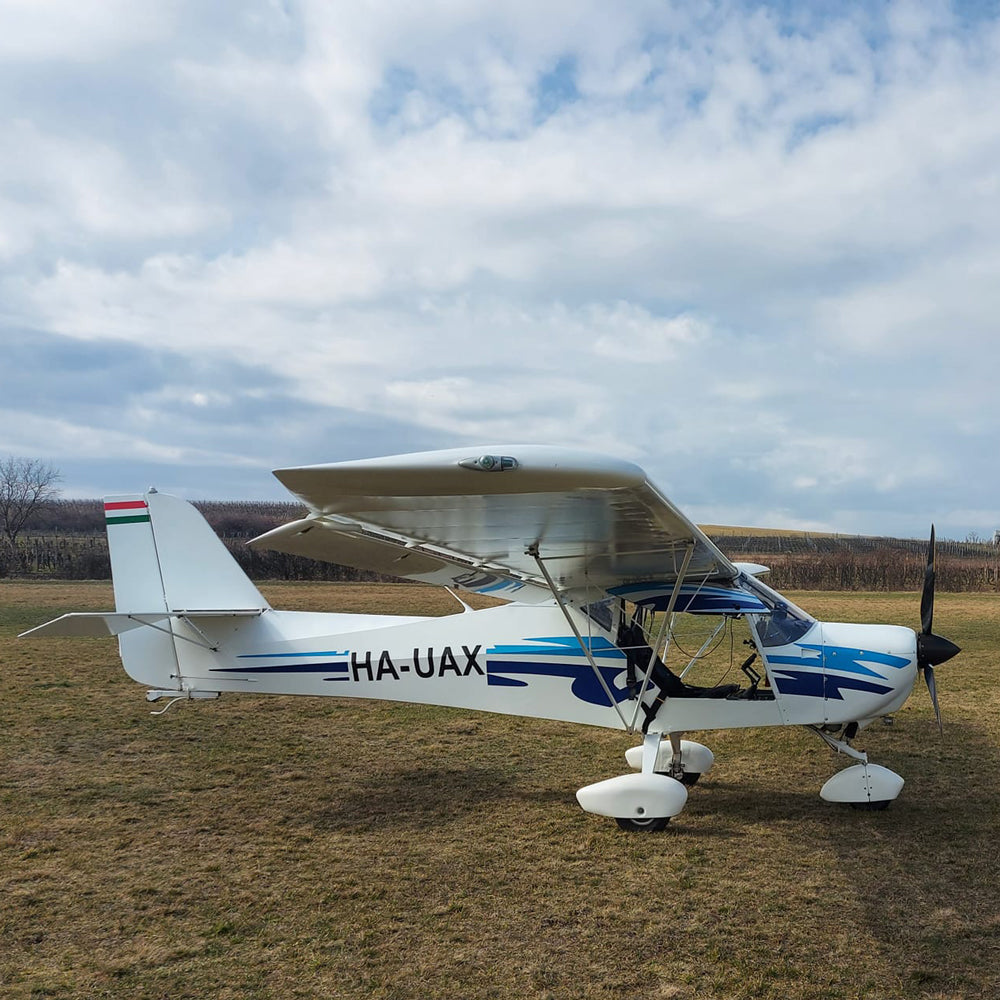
126, 512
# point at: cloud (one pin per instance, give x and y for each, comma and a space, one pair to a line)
81, 30
752, 247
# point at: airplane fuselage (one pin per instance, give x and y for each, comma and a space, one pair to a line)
517, 660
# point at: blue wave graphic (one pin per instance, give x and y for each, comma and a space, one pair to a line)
816, 685
585, 686
846, 659
504, 672
692, 598
818, 680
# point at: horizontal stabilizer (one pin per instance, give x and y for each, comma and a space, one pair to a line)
101, 624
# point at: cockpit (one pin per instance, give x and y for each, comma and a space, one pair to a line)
786, 623
773, 619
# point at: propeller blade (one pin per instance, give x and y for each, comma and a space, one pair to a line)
927, 594
932, 688
931, 649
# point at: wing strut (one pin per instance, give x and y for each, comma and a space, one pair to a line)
659, 638
532, 551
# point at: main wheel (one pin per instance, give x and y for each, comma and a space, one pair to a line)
871, 806
643, 825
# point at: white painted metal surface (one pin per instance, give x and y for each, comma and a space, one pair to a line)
634, 796
597, 521
862, 784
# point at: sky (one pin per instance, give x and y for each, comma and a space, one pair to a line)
754, 248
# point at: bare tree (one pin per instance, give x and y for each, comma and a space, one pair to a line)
27, 485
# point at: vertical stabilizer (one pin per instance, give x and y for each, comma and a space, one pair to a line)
135, 570
164, 555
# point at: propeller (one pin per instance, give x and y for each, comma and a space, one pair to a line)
932, 650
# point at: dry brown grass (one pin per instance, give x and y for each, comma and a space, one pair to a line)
280, 847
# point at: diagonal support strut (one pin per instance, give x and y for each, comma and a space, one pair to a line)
532, 551
674, 594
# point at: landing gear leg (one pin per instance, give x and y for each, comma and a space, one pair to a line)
640, 802
685, 761
865, 786
685, 757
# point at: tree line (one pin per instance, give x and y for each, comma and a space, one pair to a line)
66, 540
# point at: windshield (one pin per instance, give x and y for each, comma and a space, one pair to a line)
786, 623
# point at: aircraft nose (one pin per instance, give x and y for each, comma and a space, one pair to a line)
933, 650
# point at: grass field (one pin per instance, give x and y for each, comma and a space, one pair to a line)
278, 847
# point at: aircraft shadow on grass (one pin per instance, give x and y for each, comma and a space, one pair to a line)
417, 798
924, 876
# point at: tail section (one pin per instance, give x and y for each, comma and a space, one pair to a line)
166, 557
175, 583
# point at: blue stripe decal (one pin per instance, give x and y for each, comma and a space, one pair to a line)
565, 645
286, 668
502, 585
692, 598
817, 680
340, 667
277, 656
545, 656
846, 659
497, 680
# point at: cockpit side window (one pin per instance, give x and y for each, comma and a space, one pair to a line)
601, 612
786, 623
780, 628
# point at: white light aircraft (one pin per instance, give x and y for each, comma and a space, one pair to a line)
594, 564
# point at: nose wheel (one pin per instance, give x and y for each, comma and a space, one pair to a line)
863, 786
643, 825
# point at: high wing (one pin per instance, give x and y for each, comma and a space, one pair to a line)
476, 518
